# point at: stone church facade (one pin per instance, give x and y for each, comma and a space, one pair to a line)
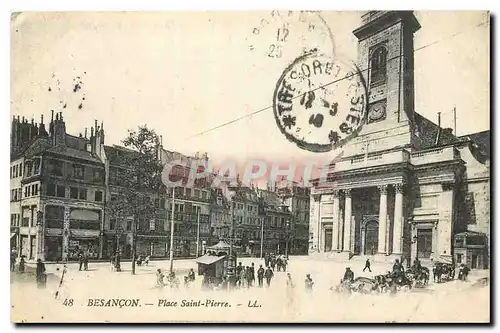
404, 187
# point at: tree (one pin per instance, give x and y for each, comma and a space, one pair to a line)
139, 181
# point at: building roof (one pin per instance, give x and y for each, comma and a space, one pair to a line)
118, 155
429, 131
75, 153
481, 139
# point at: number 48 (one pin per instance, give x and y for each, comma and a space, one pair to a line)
68, 302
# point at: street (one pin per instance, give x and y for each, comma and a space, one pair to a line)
438, 302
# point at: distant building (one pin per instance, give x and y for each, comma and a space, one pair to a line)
296, 197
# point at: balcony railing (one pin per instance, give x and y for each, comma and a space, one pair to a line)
374, 159
435, 155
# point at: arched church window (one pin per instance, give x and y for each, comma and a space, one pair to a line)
378, 64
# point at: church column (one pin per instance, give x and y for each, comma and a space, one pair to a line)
314, 223
382, 220
335, 227
347, 221
397, 236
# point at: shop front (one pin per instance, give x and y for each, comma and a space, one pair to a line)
90, 246
154, 246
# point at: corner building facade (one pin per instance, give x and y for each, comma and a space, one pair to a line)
402, 188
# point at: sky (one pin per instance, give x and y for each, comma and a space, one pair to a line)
185, 73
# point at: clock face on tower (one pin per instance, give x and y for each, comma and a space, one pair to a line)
377, 111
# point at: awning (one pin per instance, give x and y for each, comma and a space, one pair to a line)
208, 259
12, 234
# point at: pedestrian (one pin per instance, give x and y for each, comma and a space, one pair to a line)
243, 276
273, 262
80, 260
348, 275
191, 275
269, 275
22, 262
12, 261
367, 265
252, 274
284, 263
289, 282
86, 261
309, 282
146, 261
260, 275
159, 278
464, 272
41, 277
239, 268
266, 259
248, 276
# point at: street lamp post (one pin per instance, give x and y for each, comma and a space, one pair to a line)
172, 222
287, 236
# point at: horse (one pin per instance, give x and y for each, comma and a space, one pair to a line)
364, 285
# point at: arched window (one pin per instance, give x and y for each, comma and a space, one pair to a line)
378, 64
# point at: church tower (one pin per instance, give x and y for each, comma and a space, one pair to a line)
385, 57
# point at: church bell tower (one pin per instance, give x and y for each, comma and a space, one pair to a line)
385, 57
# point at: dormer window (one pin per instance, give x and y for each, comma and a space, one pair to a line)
78, 171
378, 66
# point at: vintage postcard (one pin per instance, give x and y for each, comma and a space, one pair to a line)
260, 166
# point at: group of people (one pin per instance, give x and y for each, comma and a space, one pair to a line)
143, 259
171, 279
83, 260
276, 261
40, 272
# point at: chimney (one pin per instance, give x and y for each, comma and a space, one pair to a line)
85, 132
42, 131
448, 131
438, 134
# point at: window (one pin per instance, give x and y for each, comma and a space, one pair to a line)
55, 168
157, 203
36, 166
129, 224
188, 192
378, 64
73, 192
35, 189
83, 194
114, 196
196, 193
459, 258
11, 172
162, 203
60, 191
98, 196
97, 175
160, 225
152, 225
78, 171
51, 189
20, 169
15, 170
112, 224
203, 194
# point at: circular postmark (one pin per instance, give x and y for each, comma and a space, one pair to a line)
320, 102
281, 35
